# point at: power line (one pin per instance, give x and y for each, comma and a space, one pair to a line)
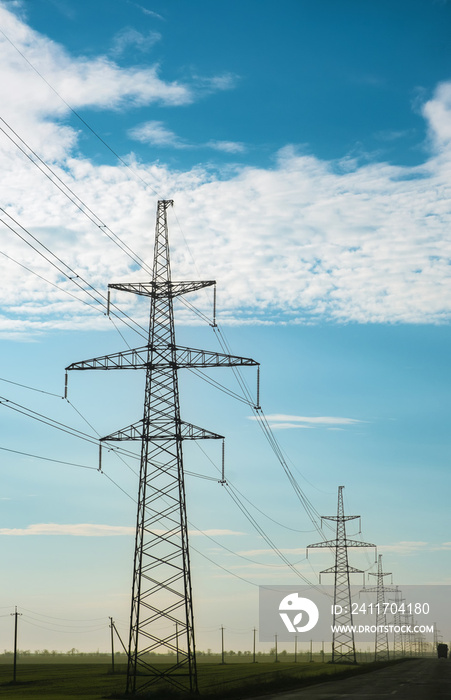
312, 513
246, 392
88, 438
242, 507
114, 451
46, 420
25, 386
65, 619
74, 198
58, 624
116, 484
58, 461
220, 386
266, 537
242, 556
44, 279
277, 522
286, 527
77, 433
84, 208
73, 276
41, 418
75, 113
47, 459
71, 631
232, 573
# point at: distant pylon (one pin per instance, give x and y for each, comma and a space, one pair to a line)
162, 618
436, 633
398, 637
381, 649
409, 621
343, 644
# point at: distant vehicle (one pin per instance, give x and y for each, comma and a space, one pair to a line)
442, 651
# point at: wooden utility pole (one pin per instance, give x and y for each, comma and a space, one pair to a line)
112, 644
16, 615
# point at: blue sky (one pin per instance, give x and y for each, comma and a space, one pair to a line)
307, 146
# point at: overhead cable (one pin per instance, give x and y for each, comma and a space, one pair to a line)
76, 114
74, 198
70, 274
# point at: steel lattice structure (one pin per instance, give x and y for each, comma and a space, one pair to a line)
161, 592
381, 649
343, 644
398, 642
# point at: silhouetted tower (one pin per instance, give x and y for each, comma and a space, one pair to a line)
398, 640
409, 621
381, 650
435, 642
161, 619
343, 644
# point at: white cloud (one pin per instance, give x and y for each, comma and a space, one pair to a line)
156, 134
304, 240
297, 243
438, 113
94, 530
81, 81
145, 11
391, 135
227, 146
402, 548
280, 421
300, 551
226, 81
34, 108
215, 533
129, 36
76, 530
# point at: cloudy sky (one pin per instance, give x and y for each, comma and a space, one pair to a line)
307, 147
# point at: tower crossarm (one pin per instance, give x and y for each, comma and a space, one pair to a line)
159, 290
137, 358
190, 357
161, 429
320, 545
358, 543
375, 589
381, 573
339, 518
163, 357
340, 570
334, 543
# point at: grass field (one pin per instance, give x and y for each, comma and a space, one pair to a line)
95, 681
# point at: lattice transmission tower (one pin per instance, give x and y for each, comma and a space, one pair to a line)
398, 637
162, 618
381, 649
343, 644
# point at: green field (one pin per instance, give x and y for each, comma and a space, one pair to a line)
62, 681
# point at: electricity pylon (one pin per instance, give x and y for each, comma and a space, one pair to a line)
162, 619
343, 644
398, 641
409, 621
381, 650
